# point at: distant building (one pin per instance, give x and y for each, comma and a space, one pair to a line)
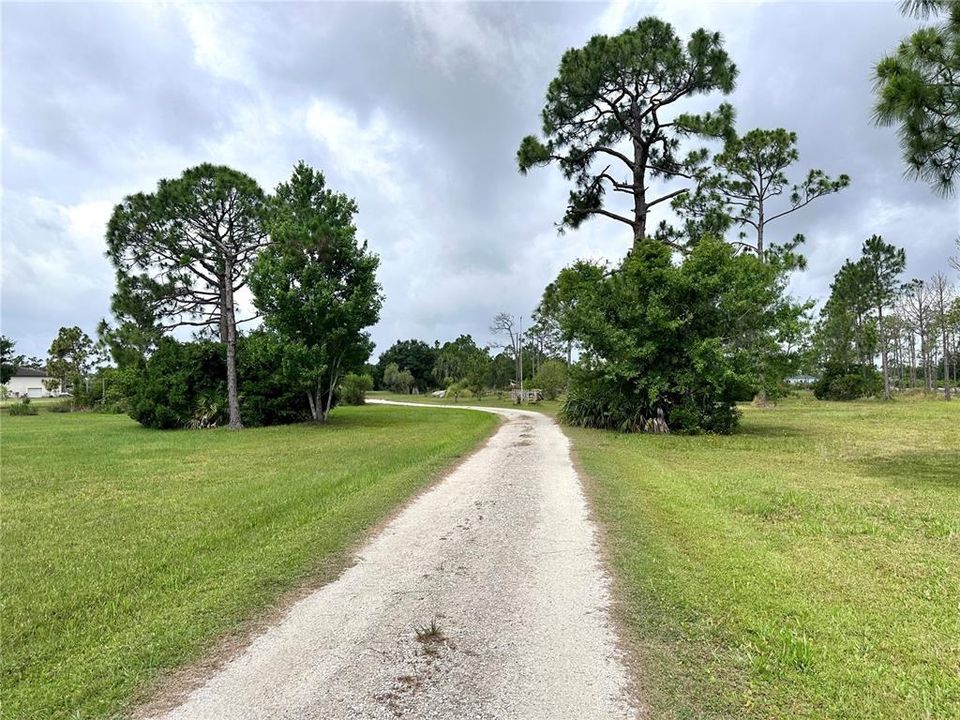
28, 382
801, 380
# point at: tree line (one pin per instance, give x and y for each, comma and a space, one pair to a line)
696, 316
182, 254
693, 319
462, 365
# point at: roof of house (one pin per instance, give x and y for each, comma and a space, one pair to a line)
25, 371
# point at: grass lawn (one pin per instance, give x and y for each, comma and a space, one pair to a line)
547, 407
126, 552
807, 567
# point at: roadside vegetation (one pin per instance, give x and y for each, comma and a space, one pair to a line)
807, 566
493, 400
128, 552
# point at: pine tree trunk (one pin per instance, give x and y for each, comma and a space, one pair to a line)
230, 327
946, 366
883, 354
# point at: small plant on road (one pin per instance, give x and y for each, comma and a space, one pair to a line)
431, 633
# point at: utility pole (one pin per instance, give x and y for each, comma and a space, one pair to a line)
520, 352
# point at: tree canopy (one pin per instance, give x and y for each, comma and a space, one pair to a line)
9, 363
182, 252
918, 91
70, 356
316, 286
749, 176
610, 121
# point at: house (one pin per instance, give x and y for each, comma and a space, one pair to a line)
28, 382
801, 380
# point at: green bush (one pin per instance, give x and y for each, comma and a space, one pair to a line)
23, 408
268, 394
397, 380
183, 384
455, 390
840, 381
682, 340
354, 388
174, 379
551, 378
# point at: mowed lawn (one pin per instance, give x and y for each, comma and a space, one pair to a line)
127, 551
807, 567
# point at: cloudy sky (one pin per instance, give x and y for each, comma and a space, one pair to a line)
416, 111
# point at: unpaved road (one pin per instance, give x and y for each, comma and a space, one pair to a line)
502, 556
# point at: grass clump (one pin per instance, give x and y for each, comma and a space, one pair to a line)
23, 407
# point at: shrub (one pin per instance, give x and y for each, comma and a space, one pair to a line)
354, 388
841, 381
397, 380
551, 378
684, 340
62, 406
183, 385
455, 390
268, 388
174, 379
24, 407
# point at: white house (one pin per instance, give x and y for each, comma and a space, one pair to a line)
28, 382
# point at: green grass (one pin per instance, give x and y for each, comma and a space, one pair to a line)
547, 407
126, 552
807, 567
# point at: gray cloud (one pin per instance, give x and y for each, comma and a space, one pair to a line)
415, 110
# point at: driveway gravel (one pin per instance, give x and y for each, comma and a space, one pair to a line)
484, 598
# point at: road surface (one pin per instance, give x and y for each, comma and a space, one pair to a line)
484, 598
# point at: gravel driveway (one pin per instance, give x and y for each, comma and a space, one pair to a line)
484, 598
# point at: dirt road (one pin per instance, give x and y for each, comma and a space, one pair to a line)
484, 598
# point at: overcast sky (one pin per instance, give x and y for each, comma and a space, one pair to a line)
417, 112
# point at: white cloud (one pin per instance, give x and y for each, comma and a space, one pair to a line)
453, 33
366, 152
218, 46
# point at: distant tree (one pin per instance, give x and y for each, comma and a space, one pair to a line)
502, 371
917, 308
942, 295
612, 105
507, 329
454, 360
414, 355
182, 253
547, 331
70, 356
477, 372
316, 286
882, 266
9, 363
846, 334
551, 378
918, 91
750, 175
397, 380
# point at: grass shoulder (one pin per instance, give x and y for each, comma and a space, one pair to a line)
128, 552
806, 567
